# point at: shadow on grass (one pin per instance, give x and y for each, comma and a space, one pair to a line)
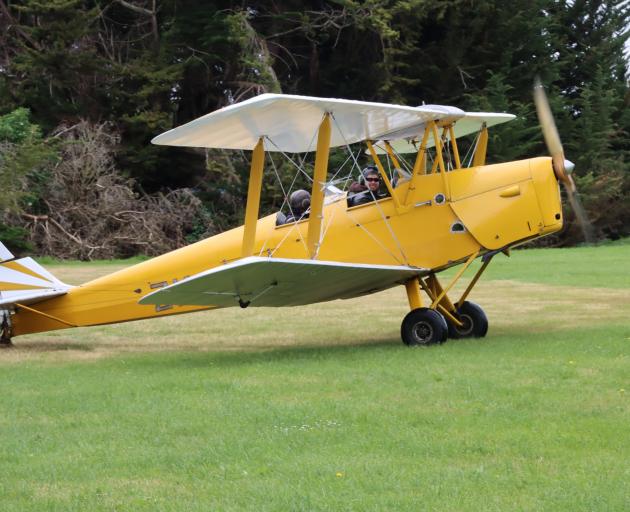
273, 354
200, 355
51, 346
240, 355
519, 343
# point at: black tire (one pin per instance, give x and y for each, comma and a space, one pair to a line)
423, 326
474, 320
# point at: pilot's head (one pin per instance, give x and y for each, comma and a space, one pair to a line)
300, 200
372, 178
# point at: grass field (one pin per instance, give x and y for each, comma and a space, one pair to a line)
323, 408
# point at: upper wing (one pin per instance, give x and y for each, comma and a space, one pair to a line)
289, 123
279, 282
408, 140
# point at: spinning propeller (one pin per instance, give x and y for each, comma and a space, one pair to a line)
562, 168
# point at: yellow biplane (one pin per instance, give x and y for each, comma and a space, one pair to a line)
438, 209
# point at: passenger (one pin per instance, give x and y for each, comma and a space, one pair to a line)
372, 192
300, 202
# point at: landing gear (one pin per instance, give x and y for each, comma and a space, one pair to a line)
423, 326
5, 329
473, 319
444, 318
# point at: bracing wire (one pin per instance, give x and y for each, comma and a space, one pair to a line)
370, 235
348, 177
297, 166
288, 203
384, 217
288, 233
355, 164
472, 150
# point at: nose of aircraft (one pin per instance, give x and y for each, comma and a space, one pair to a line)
562, 167
568, 166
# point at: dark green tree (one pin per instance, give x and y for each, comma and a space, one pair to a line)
148, 65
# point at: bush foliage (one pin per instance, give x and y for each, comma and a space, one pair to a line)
144, 66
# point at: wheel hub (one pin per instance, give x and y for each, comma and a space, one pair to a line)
467, 325
423, 332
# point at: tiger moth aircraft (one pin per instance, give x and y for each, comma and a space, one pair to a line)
437, 210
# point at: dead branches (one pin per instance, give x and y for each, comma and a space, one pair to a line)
93, 211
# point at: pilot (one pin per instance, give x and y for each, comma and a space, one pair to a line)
300, 202
355, 188
372, 191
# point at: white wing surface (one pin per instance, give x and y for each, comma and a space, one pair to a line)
24, 281
277, 282
289, 123
409, 139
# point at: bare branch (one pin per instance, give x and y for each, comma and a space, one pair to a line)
94, 212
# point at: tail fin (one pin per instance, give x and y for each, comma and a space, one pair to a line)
5, 254
25, 281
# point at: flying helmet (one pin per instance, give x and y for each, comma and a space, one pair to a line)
300, 200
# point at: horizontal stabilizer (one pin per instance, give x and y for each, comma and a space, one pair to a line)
25, 281
277, 282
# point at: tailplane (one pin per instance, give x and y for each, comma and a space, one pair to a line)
24, 281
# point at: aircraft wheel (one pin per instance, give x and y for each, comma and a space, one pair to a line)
423, 326
474, 320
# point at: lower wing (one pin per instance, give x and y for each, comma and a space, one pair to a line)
277, 282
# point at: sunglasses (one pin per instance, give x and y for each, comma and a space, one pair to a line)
373, 180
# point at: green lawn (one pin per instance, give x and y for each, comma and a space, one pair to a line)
323, 408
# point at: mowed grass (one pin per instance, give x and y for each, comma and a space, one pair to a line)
323, 408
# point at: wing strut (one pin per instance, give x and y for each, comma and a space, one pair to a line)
319, 182
482, 147
253, 198
440, 159
419, 169
383, 174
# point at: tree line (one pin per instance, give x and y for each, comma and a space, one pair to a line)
89, 77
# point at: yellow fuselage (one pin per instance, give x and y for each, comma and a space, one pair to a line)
498, 206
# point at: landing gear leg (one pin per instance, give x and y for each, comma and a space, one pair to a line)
5, 329
421, 326
445, 318
463, 319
